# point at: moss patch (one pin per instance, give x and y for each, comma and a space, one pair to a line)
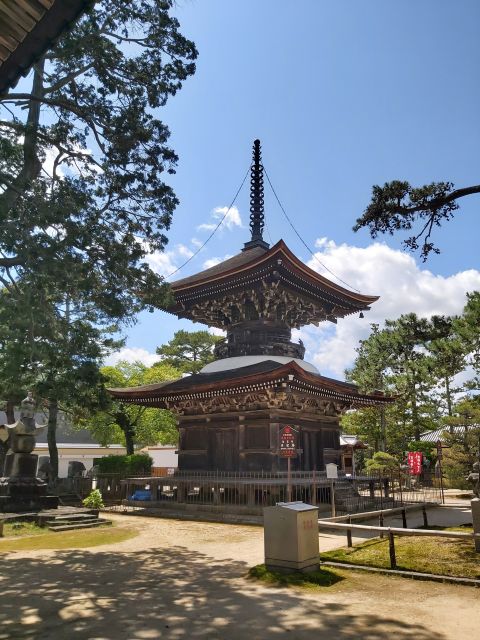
442, 556
76, 539
19, 529
321, 578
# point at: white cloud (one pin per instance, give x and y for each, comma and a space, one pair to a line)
132, 354
184, 251
232, 220
402, 285
165, 263
211, 262
162, 262
217, 332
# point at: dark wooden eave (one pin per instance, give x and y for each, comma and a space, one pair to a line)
28, 28
264, 375
257, 264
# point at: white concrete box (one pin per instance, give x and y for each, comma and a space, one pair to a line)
291, 537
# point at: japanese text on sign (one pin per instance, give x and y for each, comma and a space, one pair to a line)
288, 444
415, 459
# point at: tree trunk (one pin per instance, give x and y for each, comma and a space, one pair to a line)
448, 396
383, 438
52, 437
4, 446
128, 429
3, 453
129, 441
31, 164
10, 411
415, 418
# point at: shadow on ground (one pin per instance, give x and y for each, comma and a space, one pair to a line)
174, 593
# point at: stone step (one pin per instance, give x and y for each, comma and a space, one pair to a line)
81, 525
70, 499
61, 521
73, 516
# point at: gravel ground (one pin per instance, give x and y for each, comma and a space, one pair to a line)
182, 580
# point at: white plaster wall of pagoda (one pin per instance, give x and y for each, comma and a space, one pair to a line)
226, 364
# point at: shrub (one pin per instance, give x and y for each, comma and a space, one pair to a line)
126, 465
381, 461
94, 500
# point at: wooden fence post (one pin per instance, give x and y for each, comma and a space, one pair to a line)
349, 534
391, 548
425, 519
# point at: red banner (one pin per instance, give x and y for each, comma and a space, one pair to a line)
415, 460
288, 443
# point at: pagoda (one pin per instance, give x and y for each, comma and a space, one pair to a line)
231, 413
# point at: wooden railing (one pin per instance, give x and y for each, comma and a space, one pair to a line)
391, 532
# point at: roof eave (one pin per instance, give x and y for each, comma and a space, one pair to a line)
56, 20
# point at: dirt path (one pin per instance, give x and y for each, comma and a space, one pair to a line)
180, 580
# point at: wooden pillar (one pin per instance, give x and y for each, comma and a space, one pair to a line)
274, 444
307, 454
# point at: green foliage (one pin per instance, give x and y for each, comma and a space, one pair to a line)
132, 425
189, 351
74, 238
467, 327
88, 225
428, 449
94, 500
399, 206
396, 360
462, 444
381, 461
126, 465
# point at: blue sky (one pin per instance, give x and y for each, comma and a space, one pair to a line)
343, 95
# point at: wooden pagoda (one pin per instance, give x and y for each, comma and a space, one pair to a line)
231, 413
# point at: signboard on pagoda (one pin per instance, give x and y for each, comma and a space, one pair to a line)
288, 442
415, 459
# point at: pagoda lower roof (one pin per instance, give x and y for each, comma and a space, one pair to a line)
262, 375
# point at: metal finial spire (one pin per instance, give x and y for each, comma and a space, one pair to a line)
257, 211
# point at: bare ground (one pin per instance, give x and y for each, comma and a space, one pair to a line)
180, 580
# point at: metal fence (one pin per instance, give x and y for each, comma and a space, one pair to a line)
385, 490
253, 491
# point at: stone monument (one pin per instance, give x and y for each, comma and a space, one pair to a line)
474, 478
20, 489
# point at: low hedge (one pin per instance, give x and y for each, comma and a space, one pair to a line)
126, 465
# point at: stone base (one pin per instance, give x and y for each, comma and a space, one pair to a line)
25, 494
292, 567
17, 504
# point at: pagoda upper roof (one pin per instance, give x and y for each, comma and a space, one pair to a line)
317, 297
262, 375
231, 265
